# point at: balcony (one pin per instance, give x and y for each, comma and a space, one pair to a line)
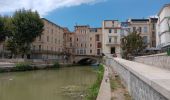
112, 43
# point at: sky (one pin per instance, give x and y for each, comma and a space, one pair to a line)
68, 13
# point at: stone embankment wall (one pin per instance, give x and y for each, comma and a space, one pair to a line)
143, 82
158, 60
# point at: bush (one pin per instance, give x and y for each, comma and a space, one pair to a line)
94, 89
56, 65
23, 66
168, 52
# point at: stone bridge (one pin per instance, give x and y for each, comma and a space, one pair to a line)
87, 59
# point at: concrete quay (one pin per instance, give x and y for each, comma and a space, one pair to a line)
144, 82
105, 90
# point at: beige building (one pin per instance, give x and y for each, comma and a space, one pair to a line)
163, 28
50, 44
69, 46
111, 31
147, 28
88, 41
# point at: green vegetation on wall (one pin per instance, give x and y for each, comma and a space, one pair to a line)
94, 89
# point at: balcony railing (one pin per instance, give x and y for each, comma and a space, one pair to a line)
112, 43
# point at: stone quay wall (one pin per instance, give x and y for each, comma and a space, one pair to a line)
143, 82
158, 60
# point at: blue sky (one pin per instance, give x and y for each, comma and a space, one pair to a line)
92, 12
111, 9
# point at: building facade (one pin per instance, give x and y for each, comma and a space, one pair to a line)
69, 46
163, 28
146, 28
111, 31
88, 41
50, 44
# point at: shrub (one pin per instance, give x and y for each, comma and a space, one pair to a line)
22, 66
168, 52
94, 89
56, 65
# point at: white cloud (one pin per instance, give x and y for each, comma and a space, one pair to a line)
42, 6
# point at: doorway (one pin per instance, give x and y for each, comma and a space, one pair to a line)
112, 50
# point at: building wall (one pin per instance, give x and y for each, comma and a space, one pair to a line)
81, 39
145, 29
85, 40
69, 44
50, 43
163, 32
111, 32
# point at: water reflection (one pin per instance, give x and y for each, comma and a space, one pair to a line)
63, 84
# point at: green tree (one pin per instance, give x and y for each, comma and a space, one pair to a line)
26, 25
132, 44
2, 29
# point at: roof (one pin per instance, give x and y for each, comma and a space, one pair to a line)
166, 5
82, 26
139, 20
51, 22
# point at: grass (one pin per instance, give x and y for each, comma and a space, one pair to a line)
23, 66
94, 89
115, 83
56, 65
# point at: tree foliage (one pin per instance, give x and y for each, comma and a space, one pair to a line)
132, 44
4, 27
26, 25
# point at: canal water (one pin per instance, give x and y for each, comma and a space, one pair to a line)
61, 84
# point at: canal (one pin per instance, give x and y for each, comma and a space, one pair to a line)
62, 84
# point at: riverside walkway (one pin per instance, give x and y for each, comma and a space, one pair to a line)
105, 90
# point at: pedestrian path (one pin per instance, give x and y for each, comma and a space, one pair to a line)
105, 90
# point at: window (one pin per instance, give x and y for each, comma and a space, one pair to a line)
153, 26
153, 34
97, 38
110, 30
145, 39
85, 45
115, 30
55, 40
99, 45
52, 31
90, 45
39, 47
81, 44
70, 44
115, 39
90, 38
77, 51
98, 51
145, 29
77, 39
84, 51
110, 39
93, 30
140, 29
47, 38
70, 39
90, 51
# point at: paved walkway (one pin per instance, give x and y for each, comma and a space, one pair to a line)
105, 90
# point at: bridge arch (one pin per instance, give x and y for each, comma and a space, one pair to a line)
87, 60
